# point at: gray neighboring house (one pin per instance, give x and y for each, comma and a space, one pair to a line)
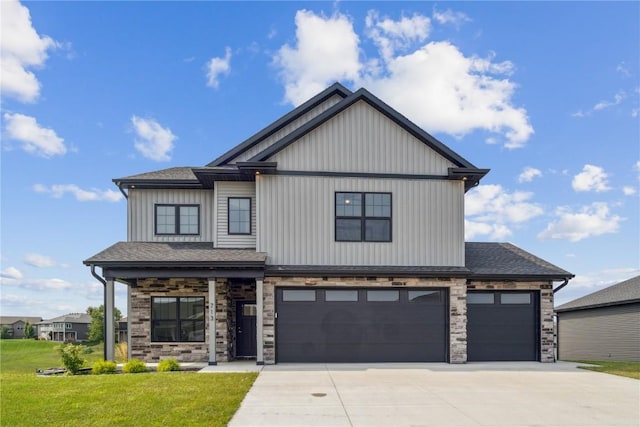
335, 234
66, 328
604, 325
15, 324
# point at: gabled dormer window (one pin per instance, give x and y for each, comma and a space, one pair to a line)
363, 217
177, 219
239, 215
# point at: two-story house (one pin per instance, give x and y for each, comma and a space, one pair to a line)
335, 234
66, 328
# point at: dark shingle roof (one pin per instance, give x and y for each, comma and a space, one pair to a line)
504, 260
70, 318
170, 174
621, 293
10, 320
180, 253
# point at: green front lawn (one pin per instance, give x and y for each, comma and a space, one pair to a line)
624, 369
149, 399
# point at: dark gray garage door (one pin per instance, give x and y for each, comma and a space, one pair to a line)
502, 325
361, 325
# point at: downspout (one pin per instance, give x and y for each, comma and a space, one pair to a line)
126, 196
566, 281
104, 306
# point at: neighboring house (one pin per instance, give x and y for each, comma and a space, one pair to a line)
604, 325
121, 330
15, 324
66, 328
335, 234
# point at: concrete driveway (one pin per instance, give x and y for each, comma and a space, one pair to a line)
475, 394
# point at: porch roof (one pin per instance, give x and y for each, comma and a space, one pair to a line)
175, 254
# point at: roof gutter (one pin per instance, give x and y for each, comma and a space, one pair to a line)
104, 305
562, 285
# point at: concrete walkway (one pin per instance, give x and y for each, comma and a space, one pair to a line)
475, 394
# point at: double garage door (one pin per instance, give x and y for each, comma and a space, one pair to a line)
361, 325
402, 325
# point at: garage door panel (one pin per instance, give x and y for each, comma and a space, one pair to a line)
500, 327
361, 331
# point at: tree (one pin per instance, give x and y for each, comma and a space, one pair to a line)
4, 333
29, 330
96, 329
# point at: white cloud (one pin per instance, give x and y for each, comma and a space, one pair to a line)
623, 69
21, 48
592, 178
327, 50
38, 260
217, 67
490, 210
603, 105
450, 17
390, 35
34, 138
528, 174
588, 221
154, 142
93, 195
435, 84
628, 190
11, 273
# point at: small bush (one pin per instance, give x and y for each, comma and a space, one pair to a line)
134, 366
87, 350
71, 357
168, 365
104, 367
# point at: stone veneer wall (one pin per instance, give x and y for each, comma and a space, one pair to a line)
546, 309
140, 319
457, 305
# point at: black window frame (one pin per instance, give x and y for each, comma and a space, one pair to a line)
177, 219
363, 218
178, 319
229, 216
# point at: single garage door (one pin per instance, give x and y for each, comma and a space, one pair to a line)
502, 325
361, 325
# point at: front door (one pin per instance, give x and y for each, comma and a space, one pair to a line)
246, 329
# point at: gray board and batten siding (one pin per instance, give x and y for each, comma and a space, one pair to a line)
141, 214
287, 129
296, 226
223, 190
361, 139
602, 333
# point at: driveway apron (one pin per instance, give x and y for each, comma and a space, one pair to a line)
475, 394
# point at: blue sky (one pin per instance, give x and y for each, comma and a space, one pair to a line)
545, 94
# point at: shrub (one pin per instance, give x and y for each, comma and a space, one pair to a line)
168, 365
104, 367
87, 350
134, 366
72, 357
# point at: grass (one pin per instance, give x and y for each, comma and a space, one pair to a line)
624, 369
149, 399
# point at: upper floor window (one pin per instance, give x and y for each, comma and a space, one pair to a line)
177, 219
363, 217
239, 215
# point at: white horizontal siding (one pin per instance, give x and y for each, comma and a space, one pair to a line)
141, 212
607, 333
361, 139
296, 222
288, 129
224, 190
